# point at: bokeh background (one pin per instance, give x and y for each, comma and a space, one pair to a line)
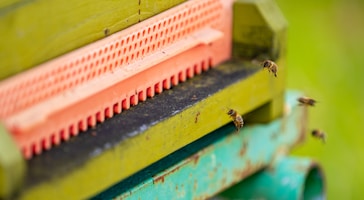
326, 61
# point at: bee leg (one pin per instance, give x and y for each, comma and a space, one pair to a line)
236, 126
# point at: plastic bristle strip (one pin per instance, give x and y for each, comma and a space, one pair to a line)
81, 88
73, 129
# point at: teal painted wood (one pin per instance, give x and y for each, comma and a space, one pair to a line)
290, 178
226, 161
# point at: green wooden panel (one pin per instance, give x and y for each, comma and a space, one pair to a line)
149, 8
32, 32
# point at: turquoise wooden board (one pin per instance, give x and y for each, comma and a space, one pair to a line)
288, 177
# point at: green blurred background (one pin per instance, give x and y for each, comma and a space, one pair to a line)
325, 60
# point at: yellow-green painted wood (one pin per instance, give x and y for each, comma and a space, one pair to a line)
12, 165
33, 32
149, 8
163, 138
263, 34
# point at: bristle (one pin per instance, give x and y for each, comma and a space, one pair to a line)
56, 139
65, 134
190, 72
182, 76
204, 66
82, 125
166, 84
142, 96
74, 129
133, 100
91, 120
46, 143
158, 88
37, 148
100, 117
109, 112
125, 104
117, 107
174, 80
197, 69
150, 92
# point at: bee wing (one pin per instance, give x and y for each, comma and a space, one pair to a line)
236, 125
324, 138
224, 109
256, 62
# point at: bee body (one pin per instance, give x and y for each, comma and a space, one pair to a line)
271, 66
237, 119
319, 134
306, 101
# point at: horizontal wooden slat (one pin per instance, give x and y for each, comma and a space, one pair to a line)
33, 32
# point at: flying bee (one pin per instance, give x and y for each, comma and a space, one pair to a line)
271, 66
319, 134
237, 119
306, 101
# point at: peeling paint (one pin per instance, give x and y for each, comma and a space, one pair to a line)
195, 158
243, 149
196, 117
160, 179
195, 184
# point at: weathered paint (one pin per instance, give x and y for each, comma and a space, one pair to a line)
286, 178
226, 161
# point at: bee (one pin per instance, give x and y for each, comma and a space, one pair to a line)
271, 66
106, 31
237, 119
306, 101
319, 134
